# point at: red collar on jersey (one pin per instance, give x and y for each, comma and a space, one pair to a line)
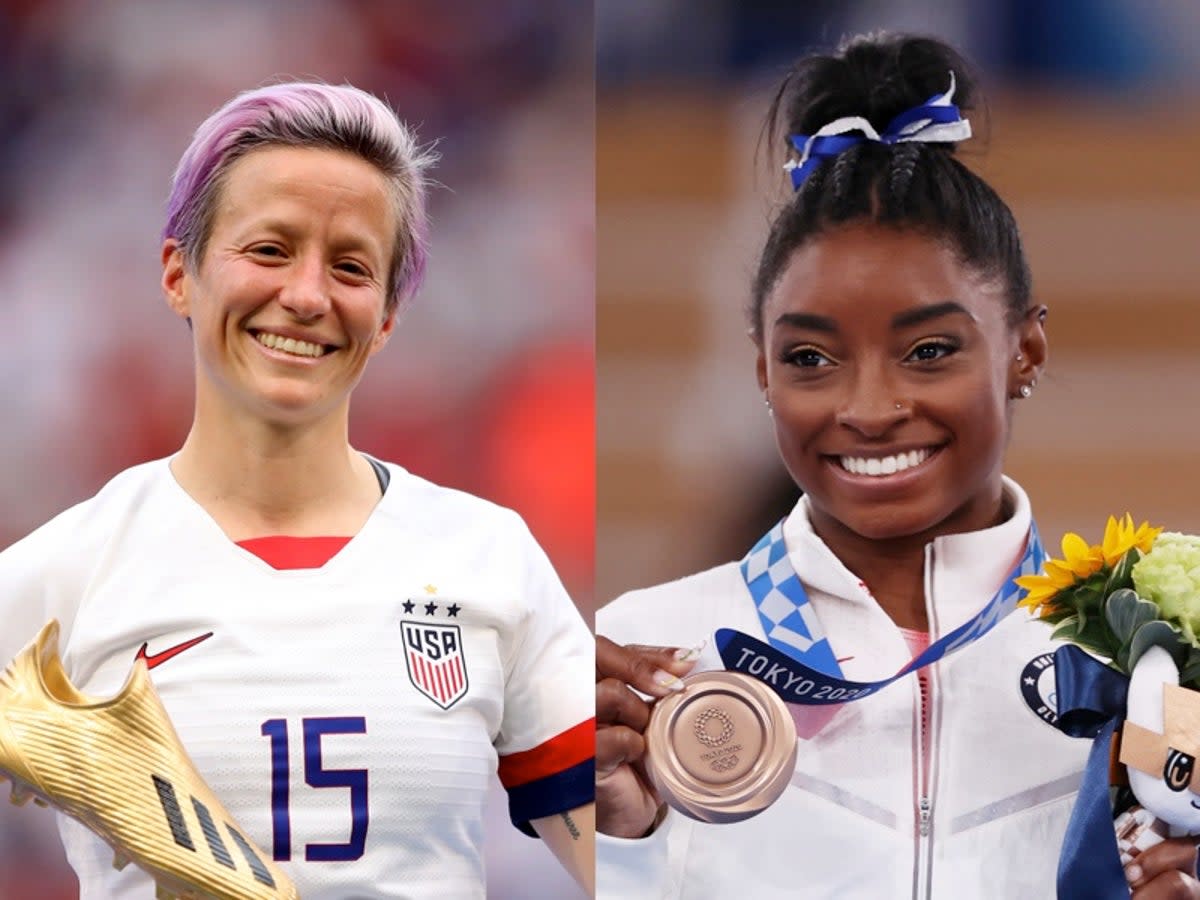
283, 552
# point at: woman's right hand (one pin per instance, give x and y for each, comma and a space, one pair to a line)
626, 802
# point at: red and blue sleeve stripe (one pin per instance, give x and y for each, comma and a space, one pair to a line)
553, 777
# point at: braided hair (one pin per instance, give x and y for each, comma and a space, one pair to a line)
911, 185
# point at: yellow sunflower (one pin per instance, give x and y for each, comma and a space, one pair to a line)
1120, 537
1081, 561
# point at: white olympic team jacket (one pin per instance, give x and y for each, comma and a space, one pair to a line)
859, 819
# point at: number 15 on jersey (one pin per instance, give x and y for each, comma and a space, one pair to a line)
316, 776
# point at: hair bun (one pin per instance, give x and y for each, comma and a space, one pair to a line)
876, 76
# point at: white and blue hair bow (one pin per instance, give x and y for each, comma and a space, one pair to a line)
937, 119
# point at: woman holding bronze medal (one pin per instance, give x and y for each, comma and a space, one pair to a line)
897, 334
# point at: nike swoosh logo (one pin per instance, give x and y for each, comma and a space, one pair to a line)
157, 659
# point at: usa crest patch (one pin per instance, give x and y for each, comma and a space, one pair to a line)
436, 667
1038, 688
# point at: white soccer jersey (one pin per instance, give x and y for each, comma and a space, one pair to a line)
348, 716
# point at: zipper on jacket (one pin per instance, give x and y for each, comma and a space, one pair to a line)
926, 769
923, 806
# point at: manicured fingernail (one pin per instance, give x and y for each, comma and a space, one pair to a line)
1133, 873
667, 680
687, 654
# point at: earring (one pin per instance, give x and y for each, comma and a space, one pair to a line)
899, 405
767, 404
1019, 357
1026, 391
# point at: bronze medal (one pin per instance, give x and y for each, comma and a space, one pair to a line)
721, 750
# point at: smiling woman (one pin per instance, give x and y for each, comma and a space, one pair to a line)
290, 297
373, 647
895, 335
891, 402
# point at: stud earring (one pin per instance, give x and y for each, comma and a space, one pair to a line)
767, 404
1026, 391
1019, 357
899, 405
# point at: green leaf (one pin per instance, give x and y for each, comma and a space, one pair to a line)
1055, 616
1157, 634
1121, 660
1190, 670
1088, 598
1097, 646
1091, 635
1066, 630
1122, 573
1126, 612
1065, 599
1193, 656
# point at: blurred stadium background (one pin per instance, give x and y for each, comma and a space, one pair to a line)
1094, 137
488, 384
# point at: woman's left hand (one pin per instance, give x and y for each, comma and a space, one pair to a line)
1166, 871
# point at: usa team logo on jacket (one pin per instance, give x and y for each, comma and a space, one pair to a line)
1038, 688
436, 666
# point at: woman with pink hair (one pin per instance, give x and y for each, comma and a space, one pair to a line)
346, 651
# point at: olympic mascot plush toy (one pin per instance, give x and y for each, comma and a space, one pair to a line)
1160, 744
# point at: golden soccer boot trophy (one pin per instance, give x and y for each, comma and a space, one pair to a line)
118, 767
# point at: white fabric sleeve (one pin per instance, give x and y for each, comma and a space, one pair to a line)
551, 668
35, 574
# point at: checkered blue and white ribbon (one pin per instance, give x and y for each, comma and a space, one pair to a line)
797, 660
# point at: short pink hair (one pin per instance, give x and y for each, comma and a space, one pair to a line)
306, 114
